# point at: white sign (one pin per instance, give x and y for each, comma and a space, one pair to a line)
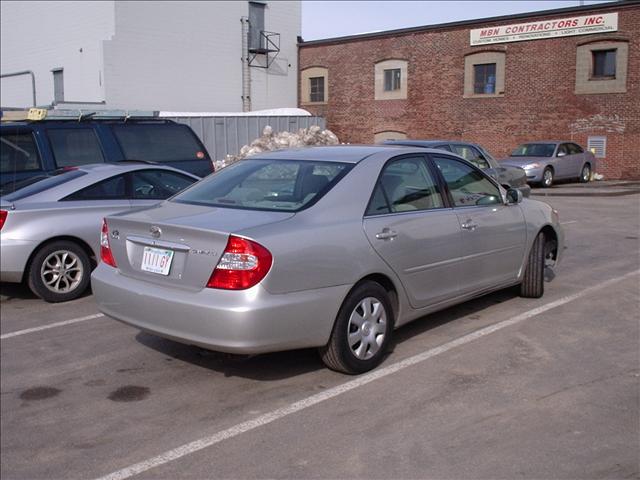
564, 27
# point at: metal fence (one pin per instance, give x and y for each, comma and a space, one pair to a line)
227, 135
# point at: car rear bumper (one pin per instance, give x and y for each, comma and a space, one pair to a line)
14, 255
246, 322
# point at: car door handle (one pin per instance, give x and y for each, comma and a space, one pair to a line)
386, 234
469, 225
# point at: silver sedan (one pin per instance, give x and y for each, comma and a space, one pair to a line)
49, 230
329, 247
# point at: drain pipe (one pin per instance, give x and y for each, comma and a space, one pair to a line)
33, 81
246, 70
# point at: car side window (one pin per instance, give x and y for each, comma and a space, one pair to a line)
468, 186
443, 147
75, 146
471, 155
158, 184
562, 149
113, 188
405, 185
18, 153
575, 149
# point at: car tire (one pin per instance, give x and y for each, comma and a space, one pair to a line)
547, 178
59, 271
585, 173
362, 330
532, 285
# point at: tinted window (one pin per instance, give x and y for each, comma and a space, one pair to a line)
562, 149
111, 189
468, 186
280, 185
405, 185
75, 146
158, 142
534, 150
471, 154
43, 184
574, 149
158, 184
18, 153
443, 147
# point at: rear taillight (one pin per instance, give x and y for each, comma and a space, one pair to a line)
243, 264
105, 248
3, 218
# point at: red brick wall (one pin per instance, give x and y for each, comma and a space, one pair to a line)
538, 102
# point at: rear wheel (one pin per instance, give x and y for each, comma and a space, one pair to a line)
547, 177
585, 173
362, 331
532, 285
59, 271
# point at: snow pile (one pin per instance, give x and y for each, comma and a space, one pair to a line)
270, 141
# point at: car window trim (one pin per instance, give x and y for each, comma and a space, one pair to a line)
425, 160
446, 185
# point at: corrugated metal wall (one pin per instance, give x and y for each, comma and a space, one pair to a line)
227, 135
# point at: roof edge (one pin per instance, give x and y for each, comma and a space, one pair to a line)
461, 23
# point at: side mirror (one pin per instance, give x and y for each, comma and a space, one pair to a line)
514, 196
561, 154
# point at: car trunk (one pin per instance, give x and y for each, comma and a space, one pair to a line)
194, 236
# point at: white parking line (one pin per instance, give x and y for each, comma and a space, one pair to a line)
569, 222
51, 325
279, 413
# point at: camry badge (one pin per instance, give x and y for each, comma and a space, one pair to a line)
155, 231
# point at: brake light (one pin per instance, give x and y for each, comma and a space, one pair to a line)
243, 264
3, 218
105, 248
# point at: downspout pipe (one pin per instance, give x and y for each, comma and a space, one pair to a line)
33, 81
246, 70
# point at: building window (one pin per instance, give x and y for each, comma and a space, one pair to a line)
314, 85
484, 74
316, 89
601, 66
604, 64
392, 79
484, 78
597, 146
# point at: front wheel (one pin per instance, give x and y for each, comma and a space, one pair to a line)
362, 331
547, 177
59, 271
585, 173
532, 285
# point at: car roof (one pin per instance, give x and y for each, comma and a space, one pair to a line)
547, 141
331, 153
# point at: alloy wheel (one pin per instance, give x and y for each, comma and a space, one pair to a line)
61, 271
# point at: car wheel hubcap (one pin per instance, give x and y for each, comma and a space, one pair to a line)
547, 177
367, 328
585, 173
61, 271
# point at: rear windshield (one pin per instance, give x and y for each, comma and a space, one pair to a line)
534, 150
158, 142
274, 185
42, 185
18, 153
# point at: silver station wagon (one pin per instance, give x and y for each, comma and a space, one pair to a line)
328, 247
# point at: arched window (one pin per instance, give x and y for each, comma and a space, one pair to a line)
391, 79
484, 74
314, 85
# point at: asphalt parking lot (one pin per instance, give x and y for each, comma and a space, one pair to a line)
499, 387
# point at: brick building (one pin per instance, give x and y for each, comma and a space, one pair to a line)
570, 73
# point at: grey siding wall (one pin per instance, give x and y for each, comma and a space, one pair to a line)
227, 135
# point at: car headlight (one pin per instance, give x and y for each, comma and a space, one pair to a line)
531, 165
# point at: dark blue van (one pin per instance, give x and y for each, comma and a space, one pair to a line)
35, 149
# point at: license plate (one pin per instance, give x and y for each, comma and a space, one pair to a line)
156, 260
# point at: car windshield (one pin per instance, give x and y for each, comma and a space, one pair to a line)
158, 142
39, 184
534, 150
274, 185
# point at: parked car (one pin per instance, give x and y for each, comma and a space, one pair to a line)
39, 148
546, 162
514, 177
369, 238
49, 230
